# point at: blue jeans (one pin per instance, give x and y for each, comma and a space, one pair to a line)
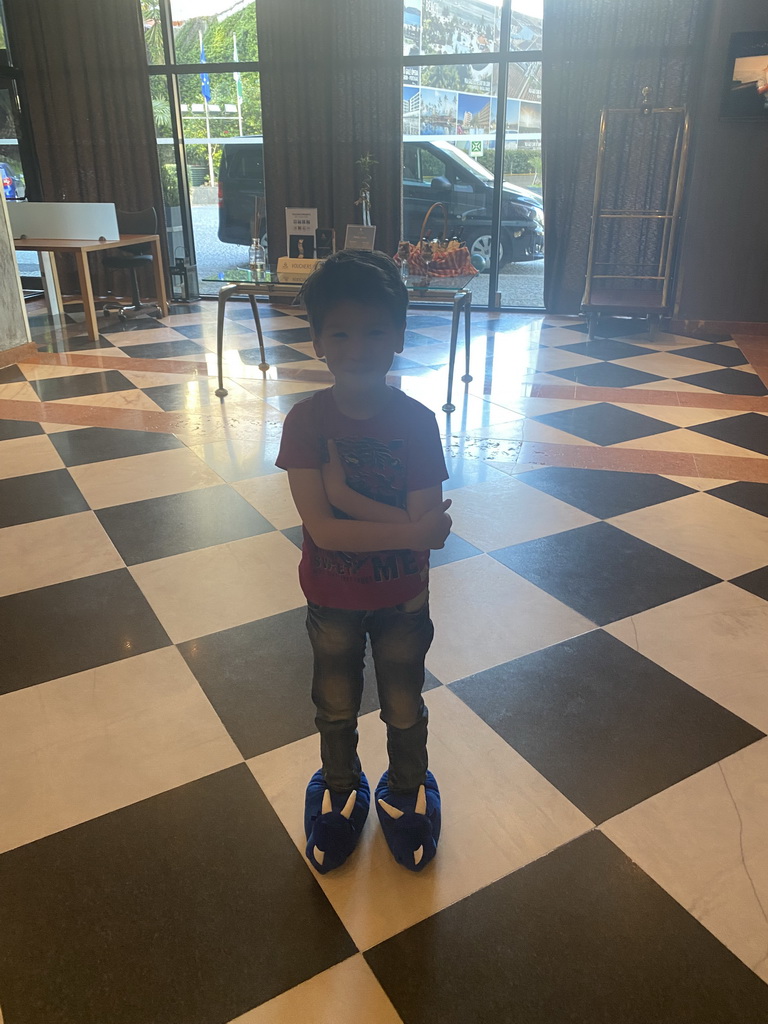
399, 642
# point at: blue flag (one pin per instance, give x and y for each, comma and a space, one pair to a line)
205, 82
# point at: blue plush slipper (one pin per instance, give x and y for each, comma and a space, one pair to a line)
410, 825
333, 822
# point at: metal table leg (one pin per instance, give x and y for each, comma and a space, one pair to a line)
225, 293
467, 334
263, 365
457, 306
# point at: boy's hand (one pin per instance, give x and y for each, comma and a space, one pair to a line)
334, 477
433, 527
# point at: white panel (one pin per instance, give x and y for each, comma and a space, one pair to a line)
90, 221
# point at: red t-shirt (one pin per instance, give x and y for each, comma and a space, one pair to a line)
384, 458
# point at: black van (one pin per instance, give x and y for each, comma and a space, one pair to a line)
433, 171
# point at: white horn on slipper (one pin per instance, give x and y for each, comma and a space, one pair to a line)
421, 802
319, 856
327, 806
349, 805
393, 812
417, 855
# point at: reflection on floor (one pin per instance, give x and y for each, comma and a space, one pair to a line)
597, 688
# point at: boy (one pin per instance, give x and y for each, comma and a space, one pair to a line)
366, 467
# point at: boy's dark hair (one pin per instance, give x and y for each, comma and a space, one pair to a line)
354, 275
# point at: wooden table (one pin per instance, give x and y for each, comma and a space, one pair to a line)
80, 247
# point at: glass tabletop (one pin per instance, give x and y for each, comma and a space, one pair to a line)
416, 285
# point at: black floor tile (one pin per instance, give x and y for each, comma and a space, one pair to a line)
276, 354
728, 382
604, 573
605, 348
415, 340
36, 496
159, 527
755, 582
604, 493
52, 389
456, 549
721, 355
115, 327
191, 907
748, 495
46, 320
288, 335
241, 310
97, 444
185, 308
581, 936
82, 343
295, 535
258, 677
502, 322
192, 393
11, 375
12, 429
70, 627
401, 364
418, 320
749, 430
605, 424
606, 375
603, 724
164, 349
206, 329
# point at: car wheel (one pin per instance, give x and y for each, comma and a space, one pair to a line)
479, 246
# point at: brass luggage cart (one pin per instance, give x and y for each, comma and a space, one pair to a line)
641, 161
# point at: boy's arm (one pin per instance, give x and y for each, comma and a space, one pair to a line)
350, 501
334, 534
421, 502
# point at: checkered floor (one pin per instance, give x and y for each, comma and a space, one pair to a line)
597, 688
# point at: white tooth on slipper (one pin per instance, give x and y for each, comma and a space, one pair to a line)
421, 801
417, 855
319, 856
327, 806
393, 812
349, 805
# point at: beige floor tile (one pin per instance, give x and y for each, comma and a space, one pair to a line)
271, 496
205, 591
699, 483
495, 515
189, 319
144, 379
485, 615
84, 745
18, 391
269, 388
688, 441
541, 406
152, 335
716, 535
681, 416
51, 551
548, 359
715, 640
664, 364
498, 815
56, 428
137, 477
346, 994
705, 841
132, 399
24, 455
672, 385
43, 371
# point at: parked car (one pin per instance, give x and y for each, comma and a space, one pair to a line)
9, 182
433, 171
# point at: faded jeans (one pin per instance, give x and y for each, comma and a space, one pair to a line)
399, 641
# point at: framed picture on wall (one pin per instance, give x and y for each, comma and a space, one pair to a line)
745, 90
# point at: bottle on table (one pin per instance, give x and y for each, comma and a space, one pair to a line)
257, 259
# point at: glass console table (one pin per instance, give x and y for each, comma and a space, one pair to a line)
241, 281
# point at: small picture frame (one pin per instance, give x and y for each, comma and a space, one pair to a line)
360, 236
325, 243
301, 247
745, 92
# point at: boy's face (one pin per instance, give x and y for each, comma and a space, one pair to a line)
359, 343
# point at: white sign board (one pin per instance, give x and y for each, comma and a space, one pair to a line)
86, 221
300, 221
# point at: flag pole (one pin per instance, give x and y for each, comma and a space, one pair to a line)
211, 179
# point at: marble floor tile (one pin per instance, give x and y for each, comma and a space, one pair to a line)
487, 615
713, 640
78, 747
50, 551
271, 496
136, 477
34, 454
201, 592
497, 816
686, 526
705, 841
688, 441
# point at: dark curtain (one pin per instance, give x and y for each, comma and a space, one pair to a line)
331, 87
89, 103
601, 53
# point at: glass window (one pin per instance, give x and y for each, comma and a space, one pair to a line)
225, 28
450, 26
153, 32
525, 27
